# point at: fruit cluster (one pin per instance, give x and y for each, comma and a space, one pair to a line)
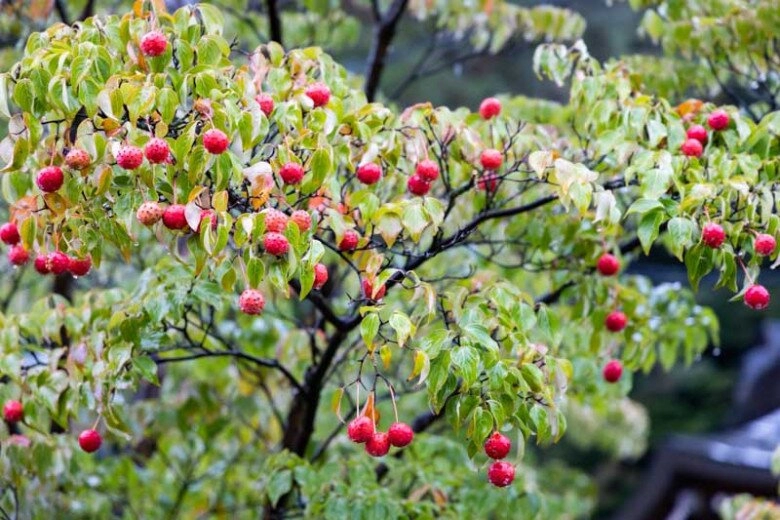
55, 262
362, 430
500, 472
13, 413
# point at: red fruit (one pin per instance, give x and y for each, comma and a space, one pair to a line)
266, 103
207, 214
361, 429
319, 93
18, 255
400, 434
80, 266
491, 159
718, 120
291, 173
501, 473
612, 371
42, 264
13, 411
757, 297
350, 240
428, 170
157, 150
713, 235
251, 302
77, 159
418, 186
50, 179
174, 217
215, 141
497, 446
320, 276
368, 290
149, 213
129, 157
616, 321
692, 148
369, 173
90, 441
153, 43
275, 244
378, 445
488, 182
9, 233
57, 262
697, 132
302, 219
490, 108
763, 244
608, 264
275, 220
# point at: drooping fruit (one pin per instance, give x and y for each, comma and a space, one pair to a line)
427, 170
266, 103
501, 473
153, 43
275, 244
90, 441
18, 255
616, 321
378, 445
488, 182
41, 264
215, 141
9, 233
320, 276
612, 371
129, 157
697, 132
80, 266
319, 93
349, 241
13, 411
174, 217
77, 159
692, 148
157, 150
211, 216
50, 179
497, 446
58, 262
291, 173
369, 293
251, 302
400, 434
764, 244
489, 108
149, 213
275, 220
608, 264
491, 159
757, 297
718, 120
713, 235
302, 219
361, 429
369, 173
418, 186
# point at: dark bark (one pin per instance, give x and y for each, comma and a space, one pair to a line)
274, 21
384, 32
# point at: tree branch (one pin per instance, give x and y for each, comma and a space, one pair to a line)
62, 11
384, 32
274, 21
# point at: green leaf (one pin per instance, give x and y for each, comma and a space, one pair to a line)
147, 368
649, 227
369, 327
279, 485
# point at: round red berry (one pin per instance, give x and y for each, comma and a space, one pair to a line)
349, 241
697, 132
275, 220
50, 179
266, 103
692, 148
275, 244
80, 266
491, 159
718, 120
418, 186
489, 108
713, 235
9, 233
302, 219
174, 217
497, 446
320, 276
209, 214
149, 213
157, 150
400, 434
488, 182
369, 173
361, 429
18, 255
90, 441
319, 93
41, 264
58, 262
612, 371
153, 43
608, 264
251, 302
757, 297
13, 411
129, 157
77, 159
369, 293
427, 170
616, 321
215, 141
764, 244
501, 473
378, 445
291, 173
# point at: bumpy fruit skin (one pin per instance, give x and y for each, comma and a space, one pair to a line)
215, 141
80, 266
58, 262
361, 429
291, 173
153, 43
90, 441
209, 214
608, 264
400, 434
77, 159
302, 219
501, 473
497, 446
491, 159
18, 255
489, 108
129, 157
368, 290
251, 302
692, 148
275, 220
157, 150
319, 93
764, 244
266, 103
13, 411
369, 173
418, 186
616, 321
612, 371
275, 244
50, 179
320, 276
350, 241
174, 217
9, 233
41, 264
378, 445
697, 132
488, 182
757, 297
149, 213
713, 235
427, 170
718, 120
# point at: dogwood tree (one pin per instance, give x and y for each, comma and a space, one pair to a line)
291, 301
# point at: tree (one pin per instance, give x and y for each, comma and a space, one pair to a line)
469, 290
